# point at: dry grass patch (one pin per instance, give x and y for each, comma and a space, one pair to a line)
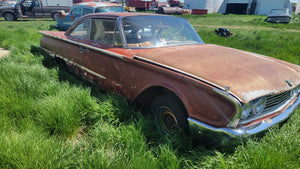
3, 52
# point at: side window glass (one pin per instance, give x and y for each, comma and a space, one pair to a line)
36, 4
77, 12
82, 30
106, 31
27, 3
87, 11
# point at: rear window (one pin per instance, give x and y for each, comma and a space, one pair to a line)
87, 11
110, 9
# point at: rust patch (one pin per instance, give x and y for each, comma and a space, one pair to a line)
4, 53
249, 75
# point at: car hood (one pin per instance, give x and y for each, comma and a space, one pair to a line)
2, 8
248, 75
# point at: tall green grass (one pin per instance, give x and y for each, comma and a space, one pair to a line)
252, 21
51, 119
279, 44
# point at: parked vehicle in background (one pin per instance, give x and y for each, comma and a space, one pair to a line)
279, 16
65, 20
7, 3
81, 1
160, 63
140, 5
173, 3
32, 9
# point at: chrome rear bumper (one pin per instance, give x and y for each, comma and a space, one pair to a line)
202, 129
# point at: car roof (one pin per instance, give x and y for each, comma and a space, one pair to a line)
96, 4
122, 14
114, 15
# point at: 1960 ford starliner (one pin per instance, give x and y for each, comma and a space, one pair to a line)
160, 63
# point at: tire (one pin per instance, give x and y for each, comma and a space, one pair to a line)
169, 114
8, 16
54, 16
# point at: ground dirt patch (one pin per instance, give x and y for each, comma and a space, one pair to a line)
3, 52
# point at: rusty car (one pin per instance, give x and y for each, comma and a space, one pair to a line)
65, 20
162, 65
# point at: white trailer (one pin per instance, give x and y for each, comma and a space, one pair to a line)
57, 2
297, 12
253, 7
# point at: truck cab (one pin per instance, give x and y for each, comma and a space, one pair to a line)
31, 9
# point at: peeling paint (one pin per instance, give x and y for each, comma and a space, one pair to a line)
256, 93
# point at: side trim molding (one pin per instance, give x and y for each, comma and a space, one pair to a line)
86, 46
75, 64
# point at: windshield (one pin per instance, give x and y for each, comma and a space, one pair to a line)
278, 11
110, 9
158, 31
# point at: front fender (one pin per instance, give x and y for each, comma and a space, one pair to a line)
4, 11
200, 100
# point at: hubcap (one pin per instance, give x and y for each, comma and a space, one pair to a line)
9, 16
55, 17
168, 121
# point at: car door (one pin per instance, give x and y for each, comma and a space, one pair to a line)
97, 64
38, 9
80, 35
73, 15
27, 8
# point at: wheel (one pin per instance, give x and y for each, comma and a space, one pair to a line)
9, 16
169, 114
54, 16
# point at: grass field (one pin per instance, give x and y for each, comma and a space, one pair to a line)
51, 119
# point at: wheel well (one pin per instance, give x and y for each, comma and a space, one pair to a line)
53, 13
7, 12
145, 99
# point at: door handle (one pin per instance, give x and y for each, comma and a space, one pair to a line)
83, 49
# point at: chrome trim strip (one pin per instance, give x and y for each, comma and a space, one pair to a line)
92, 72
52, 54
238, 107
181, 72
87, 46
75, 64
200, 127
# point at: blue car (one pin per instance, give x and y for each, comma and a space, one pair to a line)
65, 20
